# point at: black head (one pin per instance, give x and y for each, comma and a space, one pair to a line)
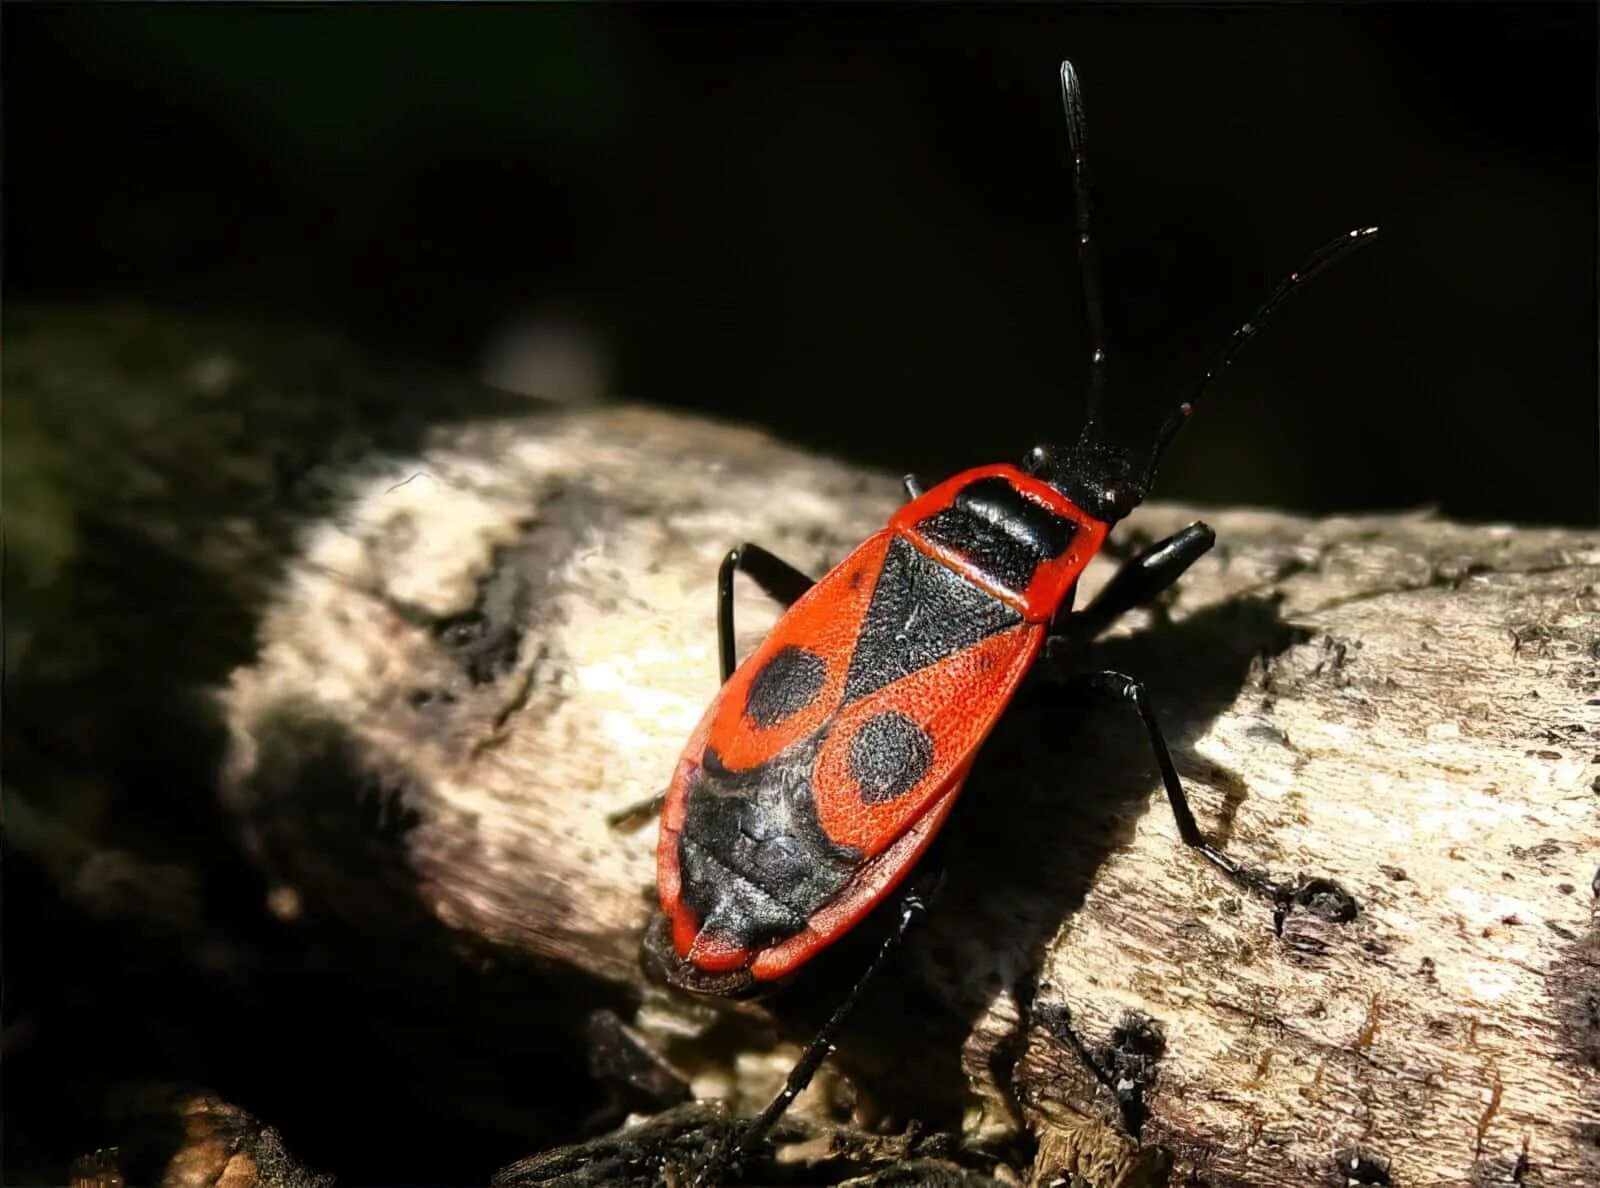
1104, 480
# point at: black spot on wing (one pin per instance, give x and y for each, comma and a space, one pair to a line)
921, 612
786, 684
888, 755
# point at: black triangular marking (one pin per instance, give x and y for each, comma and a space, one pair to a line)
921, 612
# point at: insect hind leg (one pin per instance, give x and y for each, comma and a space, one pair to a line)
912, 907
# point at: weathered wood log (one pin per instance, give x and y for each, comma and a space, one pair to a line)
462, 632
495, 644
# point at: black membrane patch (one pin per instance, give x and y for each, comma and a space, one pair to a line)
755, 862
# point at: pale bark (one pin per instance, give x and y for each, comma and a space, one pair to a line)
511, 636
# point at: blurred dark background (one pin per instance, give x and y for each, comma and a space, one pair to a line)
853, 225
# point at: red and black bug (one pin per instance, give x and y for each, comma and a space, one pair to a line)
832, 756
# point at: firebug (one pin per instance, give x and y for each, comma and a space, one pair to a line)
833, 754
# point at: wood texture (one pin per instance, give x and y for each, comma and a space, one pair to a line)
507, 636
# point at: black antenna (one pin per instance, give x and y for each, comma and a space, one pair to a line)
1088, 272
1320, 260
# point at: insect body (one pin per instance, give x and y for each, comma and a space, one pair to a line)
834, 753
832, 756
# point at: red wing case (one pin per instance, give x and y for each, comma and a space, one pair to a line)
830, 758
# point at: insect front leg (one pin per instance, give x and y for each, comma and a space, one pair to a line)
771, 572
1327, 897
1139, 579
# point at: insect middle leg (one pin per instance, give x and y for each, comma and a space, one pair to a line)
771, 572
780, 580
1331, 899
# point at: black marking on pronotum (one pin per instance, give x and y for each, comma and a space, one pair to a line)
755, 862
1001, 531
921, 612
786, 684
888, 755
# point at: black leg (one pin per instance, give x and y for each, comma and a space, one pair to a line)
1330, 899
637, 813
1140, 579
913, 486
773, 574
913, 906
